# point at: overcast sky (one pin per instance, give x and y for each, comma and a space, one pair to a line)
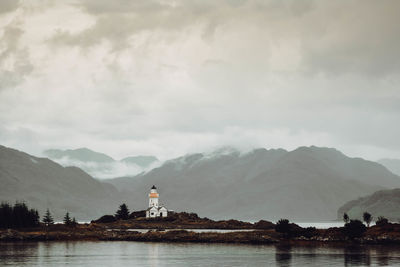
172, 77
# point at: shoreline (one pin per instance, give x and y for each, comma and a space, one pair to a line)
90, 233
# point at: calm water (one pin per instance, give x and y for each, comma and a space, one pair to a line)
162, 254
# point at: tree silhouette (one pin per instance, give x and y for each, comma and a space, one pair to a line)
355, 228
18, 216
381, 221
367, 217
122, 212
74, 223
283, 226
346, 218
67, 220
48, 219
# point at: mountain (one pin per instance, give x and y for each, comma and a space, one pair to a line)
100, 165
392, 164
382, 203
307, 184
43, 184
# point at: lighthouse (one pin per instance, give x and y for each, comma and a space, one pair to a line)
155, 210
153, 197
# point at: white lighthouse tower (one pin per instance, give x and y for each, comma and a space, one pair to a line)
155, 210
153, 197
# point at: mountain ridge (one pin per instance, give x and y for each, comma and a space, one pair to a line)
275, 180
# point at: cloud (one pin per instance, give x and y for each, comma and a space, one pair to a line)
8, 6
171, 77
14, 59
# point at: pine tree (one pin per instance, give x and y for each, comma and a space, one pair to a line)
123, 212
67, 220
48, 219
74, 223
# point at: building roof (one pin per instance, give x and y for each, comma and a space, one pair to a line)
153, 187
157, 208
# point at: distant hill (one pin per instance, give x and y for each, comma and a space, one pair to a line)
382, 203
308, 184
392, 164
43, 184
100, 165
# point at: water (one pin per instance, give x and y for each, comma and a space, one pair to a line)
84, 253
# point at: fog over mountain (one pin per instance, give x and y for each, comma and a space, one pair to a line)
100, 165
308, 183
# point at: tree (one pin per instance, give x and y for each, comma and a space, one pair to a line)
48, 219
346, 218
67, 220
283, 226
74, 223
367, 217
18, 216
122, 212
381, 221
354, 229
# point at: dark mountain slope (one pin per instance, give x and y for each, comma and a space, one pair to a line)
46, 184
308, 183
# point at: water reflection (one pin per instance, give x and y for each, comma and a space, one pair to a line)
356, 255
283, 255
187, 254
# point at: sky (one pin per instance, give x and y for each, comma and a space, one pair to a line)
167, 78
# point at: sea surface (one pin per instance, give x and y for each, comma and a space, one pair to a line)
85, 253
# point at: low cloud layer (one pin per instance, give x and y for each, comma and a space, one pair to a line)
173, 77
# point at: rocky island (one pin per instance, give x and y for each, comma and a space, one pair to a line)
181, 227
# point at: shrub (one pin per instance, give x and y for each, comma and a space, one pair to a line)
105, 219
354, 229
367, 217
381, 221
309, 232
283, 226
346, 218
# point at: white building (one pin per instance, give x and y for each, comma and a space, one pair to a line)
154, 209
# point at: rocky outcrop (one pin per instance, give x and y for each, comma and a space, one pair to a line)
181, 220
385, 234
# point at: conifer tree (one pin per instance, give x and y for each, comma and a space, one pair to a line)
74, 223
67, 220
48, 219
122, 212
